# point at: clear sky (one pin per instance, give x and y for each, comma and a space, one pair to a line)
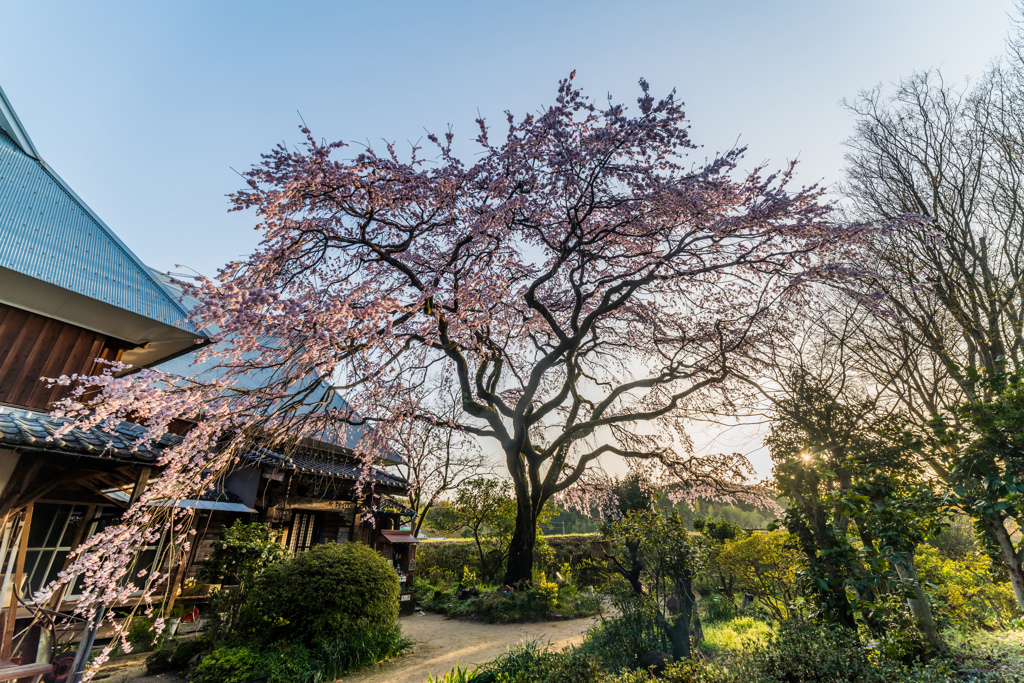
144, 108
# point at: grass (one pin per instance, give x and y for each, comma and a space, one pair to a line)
981, 657
733, 636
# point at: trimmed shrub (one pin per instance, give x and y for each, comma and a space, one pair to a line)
328, 593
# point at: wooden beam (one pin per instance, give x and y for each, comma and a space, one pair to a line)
26, 671
7, 644
140, 486
304, 503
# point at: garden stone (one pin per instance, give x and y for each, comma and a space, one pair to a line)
656, 662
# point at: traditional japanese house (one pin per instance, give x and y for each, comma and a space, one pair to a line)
71, 293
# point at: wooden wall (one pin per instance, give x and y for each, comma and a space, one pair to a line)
32, 346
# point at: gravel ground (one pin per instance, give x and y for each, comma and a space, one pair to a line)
439, 644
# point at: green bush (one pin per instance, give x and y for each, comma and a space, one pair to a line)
185, 650
325, 594
804, 652
456, 675
227, 665
437, 557
289, 663
500, 606
620, 641
360, 649
736, 635
243, 552
530, 662
966, 592
714, 608
140, 634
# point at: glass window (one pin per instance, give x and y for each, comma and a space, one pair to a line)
50, 536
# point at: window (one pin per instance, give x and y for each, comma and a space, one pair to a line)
50, 536
53, 530
305, 531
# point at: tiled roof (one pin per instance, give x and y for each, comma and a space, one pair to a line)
20, 428
319, 463
389, 504
30, 429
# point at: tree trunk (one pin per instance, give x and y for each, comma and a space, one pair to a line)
816, 543
996, 530
919, 607
679, 631
519, 569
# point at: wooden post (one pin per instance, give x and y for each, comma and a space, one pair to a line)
7, 644
140, 486
178, 576
8, 558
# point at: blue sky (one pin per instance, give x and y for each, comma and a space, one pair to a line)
144, 108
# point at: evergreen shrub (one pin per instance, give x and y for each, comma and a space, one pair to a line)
330, 592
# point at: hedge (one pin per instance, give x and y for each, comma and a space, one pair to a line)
453, 554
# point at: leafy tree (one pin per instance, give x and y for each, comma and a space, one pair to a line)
766, 568
983, 441
719, 531
487, 510
854, 475
659, 558
243, 552
947, 288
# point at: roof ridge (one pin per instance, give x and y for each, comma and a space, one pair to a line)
11, 124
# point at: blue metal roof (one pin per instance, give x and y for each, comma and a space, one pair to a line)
49, 233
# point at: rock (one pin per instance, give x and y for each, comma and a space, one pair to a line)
655, 662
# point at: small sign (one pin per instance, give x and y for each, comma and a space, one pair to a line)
405, 598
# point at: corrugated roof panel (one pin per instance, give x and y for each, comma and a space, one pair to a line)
47, 233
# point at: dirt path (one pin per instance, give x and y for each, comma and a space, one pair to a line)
441, 642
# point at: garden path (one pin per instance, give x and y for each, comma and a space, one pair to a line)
441, 642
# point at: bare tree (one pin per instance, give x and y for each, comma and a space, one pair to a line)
438, 458
952, 283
